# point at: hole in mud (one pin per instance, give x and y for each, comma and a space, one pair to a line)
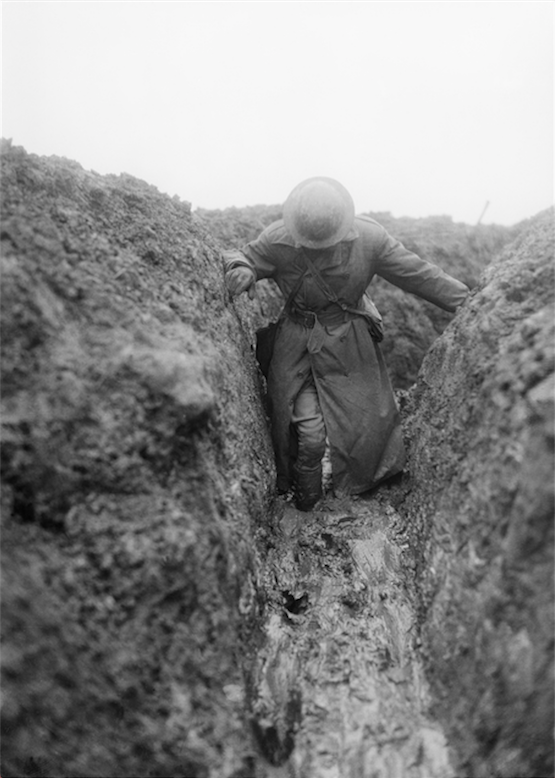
23, 507
275, 751
295, 604
277, 742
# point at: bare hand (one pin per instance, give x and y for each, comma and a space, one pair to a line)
239, 279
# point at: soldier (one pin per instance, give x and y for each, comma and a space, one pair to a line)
327, 379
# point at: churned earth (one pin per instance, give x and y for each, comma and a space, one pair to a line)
163, 613
339, 687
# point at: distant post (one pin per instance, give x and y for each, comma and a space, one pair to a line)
483, 212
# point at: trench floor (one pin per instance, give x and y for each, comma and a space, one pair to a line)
340, 686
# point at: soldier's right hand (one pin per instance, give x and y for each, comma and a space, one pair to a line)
239, 279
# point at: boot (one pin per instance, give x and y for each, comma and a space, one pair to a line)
308, 486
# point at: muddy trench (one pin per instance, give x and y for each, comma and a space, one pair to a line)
339, 688
164, 613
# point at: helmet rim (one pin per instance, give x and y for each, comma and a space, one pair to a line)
301, 218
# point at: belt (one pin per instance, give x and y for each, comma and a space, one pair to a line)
309, 318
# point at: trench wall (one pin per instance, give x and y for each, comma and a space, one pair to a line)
479, 511
136, 467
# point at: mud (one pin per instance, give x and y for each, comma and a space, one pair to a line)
338, 689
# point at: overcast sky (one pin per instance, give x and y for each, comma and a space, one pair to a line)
418, 108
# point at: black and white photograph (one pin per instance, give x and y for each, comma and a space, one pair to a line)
277, 329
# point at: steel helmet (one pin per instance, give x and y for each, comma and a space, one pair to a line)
319, 212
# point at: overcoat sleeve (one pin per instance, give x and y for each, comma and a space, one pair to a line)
413, 274
256, 255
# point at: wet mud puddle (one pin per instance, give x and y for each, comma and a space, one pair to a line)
338, 687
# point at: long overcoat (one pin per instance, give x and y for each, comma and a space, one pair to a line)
360, 414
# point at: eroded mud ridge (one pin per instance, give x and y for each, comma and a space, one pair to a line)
163, 614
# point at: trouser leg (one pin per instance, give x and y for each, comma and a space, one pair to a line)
309, 425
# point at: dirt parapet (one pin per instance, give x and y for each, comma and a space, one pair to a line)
136, 465
480, 514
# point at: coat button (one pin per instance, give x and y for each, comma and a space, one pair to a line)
300, 374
